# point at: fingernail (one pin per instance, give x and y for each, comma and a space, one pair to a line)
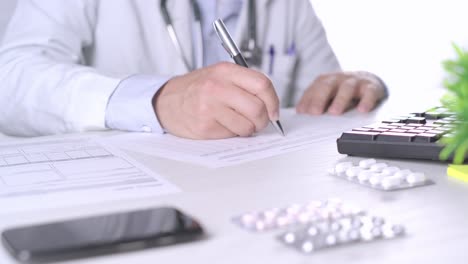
300, 109
275, 115
316, 111
363, 108
334, 110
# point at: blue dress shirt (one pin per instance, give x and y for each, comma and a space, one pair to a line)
130, 106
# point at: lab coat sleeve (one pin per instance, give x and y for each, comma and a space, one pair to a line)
314, 53
130, 106
44, 88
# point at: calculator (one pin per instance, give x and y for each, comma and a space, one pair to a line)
411, 136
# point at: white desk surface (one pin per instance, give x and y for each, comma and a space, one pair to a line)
436, 217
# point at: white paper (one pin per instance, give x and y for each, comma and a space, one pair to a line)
302, 132
42, 174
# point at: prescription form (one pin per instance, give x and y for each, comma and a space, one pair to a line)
37, 174
302, 132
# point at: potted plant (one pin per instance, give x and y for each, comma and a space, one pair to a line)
456, 100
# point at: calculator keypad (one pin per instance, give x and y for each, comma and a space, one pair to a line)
413, 136
415, 127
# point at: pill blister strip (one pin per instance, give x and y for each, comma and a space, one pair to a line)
296, 214
379, 175
336, 232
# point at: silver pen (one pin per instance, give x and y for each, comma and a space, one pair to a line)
231, 47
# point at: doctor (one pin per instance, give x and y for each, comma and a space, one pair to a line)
156, 65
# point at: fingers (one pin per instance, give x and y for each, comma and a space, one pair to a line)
208, 130
225, 123
344, 96
248, 105
369, 98
219, 101
235, 122
316, 99
344, 88
224, 110
254, 83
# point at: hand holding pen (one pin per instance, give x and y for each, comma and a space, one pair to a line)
219, 101
231, 47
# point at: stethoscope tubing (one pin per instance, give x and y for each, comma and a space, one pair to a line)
251, 42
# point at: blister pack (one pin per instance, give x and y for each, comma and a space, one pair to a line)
379, 175
296, 214
335, 232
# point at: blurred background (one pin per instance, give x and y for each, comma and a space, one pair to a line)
402, 41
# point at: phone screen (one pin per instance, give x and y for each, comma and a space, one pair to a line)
100, 234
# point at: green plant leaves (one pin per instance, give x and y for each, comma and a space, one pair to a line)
456, 100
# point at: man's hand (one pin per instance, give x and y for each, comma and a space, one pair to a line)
220, 101
335, 93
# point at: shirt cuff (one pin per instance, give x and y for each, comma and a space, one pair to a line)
130, 107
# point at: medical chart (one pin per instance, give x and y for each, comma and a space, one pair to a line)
302, 132
38, 174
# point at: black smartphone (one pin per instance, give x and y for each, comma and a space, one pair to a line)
91, 236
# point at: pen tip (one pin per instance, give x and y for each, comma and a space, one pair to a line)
280, 128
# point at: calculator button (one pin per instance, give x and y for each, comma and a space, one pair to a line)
426, 137
416, 120
398, 130
361, 129
379, 130
416, 131
395, 137
433, 115
359, 135
391, 121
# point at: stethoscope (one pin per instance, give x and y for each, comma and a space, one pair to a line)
250, 48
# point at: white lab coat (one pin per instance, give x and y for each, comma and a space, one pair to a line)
61, 60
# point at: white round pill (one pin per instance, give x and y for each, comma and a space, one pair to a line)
357, 222
390, 231
343, 237
389, 171
416, 178
323, 227
289, 238
354, 234
366, 221
312, 231
335, 226
398, 230
376, 179
366, 234
345, 223
248, 219
341, 167
378, 167
304, 217
330, 240
336, 215
353, 172
376, 232
271, 213
378, 221
293, 209
307, 246
402, 173
387, 231
260, 225
282, 221
391, 182
365, 175
365, 164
